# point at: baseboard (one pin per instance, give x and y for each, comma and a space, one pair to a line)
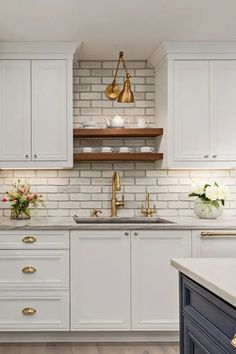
88, 337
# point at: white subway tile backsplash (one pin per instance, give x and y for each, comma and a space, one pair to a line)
91, 80
90, 96
81, 72
91, 64
88, 184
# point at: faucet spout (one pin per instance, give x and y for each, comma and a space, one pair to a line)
115, 183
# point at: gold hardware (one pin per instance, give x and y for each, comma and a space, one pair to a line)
29, 239
218, 234
148, 211
28, 270
95, 212
233, 341
29, 311
115, 204
113, 90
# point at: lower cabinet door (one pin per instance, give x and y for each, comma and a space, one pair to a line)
100, 280
195, 341
214, 244
34, 311
154, 281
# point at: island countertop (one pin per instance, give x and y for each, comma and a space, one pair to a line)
67, 223
215, 274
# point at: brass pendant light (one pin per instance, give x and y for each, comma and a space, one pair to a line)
113, 90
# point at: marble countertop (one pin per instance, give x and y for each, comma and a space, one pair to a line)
67, 223
216, 274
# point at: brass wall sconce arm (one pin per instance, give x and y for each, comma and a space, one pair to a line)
113, 90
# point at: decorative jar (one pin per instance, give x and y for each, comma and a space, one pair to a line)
207, 210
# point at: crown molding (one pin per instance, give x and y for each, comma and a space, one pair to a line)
191, 47
57, 48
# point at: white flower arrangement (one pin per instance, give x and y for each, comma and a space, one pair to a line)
213, 194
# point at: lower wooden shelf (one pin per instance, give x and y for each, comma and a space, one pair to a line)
118, 156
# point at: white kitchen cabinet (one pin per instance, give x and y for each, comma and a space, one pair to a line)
223, 109
49, 311
154, 282
15, 129
47, 269
214, 244
34, 274
191, 110
195, 93
100, 280
49, 110
36, 105
34, 240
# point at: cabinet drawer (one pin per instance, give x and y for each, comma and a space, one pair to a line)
197, 341
42, 311
22, 269
34, 239
208, 310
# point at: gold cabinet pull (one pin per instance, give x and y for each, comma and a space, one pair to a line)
218, 233
233, 341
29, 311
28, 270
29, 239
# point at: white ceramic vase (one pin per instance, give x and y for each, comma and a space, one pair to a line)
206, 210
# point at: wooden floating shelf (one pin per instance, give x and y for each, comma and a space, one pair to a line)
117, 132
119, 156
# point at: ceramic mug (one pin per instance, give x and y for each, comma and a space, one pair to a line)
147, 149
88, 149
88, 124
124, 149
142, 123
107, 149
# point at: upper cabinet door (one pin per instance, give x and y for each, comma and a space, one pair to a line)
191, 110
14, 110
49, 110
223, 109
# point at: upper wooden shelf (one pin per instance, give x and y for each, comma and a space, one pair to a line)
117, 132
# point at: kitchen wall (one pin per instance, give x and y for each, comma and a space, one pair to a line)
88, 185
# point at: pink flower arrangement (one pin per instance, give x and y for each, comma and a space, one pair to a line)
21, 198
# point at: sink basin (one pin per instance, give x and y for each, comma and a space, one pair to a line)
121, 220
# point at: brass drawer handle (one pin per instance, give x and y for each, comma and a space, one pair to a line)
218, 233
28, 270
29, 239
233, 341
29, 311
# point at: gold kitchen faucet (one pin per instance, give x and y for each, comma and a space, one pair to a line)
115, 204
148, 211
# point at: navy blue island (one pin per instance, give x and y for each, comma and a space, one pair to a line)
207, 305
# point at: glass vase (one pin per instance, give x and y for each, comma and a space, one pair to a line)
206, 210
20, 214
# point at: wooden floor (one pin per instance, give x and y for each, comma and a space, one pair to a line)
48, 348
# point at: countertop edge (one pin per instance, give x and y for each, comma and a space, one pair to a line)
223, 294
67, 223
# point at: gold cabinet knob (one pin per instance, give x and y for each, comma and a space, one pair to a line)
29, 311
29, 239
28, 270
233, 341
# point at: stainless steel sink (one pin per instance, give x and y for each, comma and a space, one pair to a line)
120, 220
